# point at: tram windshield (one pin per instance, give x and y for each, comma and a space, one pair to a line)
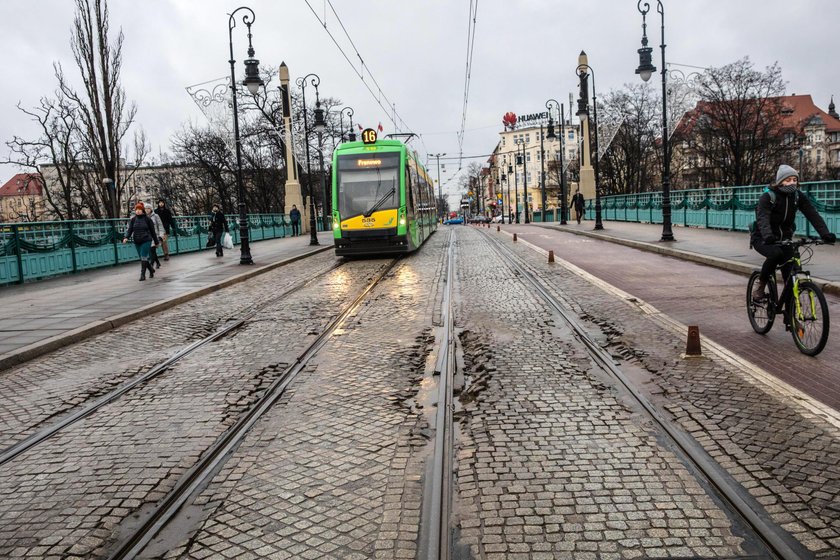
367, 183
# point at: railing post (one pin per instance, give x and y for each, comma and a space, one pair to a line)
175, 233
734, 204
114, 236
16, 237
72, 246
807, 222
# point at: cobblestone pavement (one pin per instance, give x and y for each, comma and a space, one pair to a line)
70, 497
553, 460
50, 386
784, 454
335, 472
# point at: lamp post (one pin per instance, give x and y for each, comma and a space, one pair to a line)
584, 71
253, 82
516, 187
552, 136
645, 71
108, 183
301, 83
351, 135
440, 191
525, 202
320, 127
542, 173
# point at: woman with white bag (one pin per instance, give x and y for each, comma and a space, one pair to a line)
218, 227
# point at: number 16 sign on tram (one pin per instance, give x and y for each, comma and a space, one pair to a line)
382, 198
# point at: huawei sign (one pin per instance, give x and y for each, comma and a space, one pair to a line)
509, 120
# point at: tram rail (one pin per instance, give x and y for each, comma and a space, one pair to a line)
778, 542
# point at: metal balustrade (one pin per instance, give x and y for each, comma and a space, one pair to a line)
37, 250
729, 208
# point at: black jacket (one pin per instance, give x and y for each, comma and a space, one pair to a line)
218, 222
165, 217
141, 229
578, 202
294, 215
779, 220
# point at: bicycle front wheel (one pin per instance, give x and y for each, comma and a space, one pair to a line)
809, 321
761, 313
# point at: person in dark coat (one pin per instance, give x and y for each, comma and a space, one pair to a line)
579, 204
218, 227
141, 230
165, 215
775, 221
294, 218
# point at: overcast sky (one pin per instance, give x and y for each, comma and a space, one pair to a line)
525, 52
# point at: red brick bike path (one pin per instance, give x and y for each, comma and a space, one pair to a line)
702, 295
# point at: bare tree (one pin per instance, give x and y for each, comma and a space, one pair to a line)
629, 162
101, 105
735, 130
58, 145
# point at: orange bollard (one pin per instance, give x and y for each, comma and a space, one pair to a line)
551, 256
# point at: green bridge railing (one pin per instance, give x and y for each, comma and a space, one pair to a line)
36, 250
730, 208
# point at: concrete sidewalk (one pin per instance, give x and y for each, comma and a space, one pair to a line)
42, 316
728, 250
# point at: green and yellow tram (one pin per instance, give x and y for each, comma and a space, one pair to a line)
382, 198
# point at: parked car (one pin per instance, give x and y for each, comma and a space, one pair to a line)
454, 221
479, 220
497, 219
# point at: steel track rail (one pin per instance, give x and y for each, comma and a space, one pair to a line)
216, 455
40, 436
434, 520
778, 542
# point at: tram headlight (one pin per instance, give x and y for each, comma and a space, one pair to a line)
402, 221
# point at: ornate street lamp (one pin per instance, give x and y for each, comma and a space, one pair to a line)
351, 134
552, 136
320, 127
583, 71
645, 71
301, 83
253, 82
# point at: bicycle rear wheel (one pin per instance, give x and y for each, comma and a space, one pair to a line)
809, 323
763, 313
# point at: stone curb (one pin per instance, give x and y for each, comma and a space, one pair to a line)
717, 262
73, 336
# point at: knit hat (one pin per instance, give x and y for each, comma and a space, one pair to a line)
139, 206
784, 172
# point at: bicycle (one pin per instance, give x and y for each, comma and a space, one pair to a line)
806, 313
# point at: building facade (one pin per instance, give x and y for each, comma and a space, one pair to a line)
22, 199
810, 138
526, 158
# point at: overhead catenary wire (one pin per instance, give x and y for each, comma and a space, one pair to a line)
471, 29
390, 107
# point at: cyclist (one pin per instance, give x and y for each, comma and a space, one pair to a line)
775, 216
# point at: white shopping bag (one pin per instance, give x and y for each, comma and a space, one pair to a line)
227, 241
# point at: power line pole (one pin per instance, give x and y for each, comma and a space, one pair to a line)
440, 191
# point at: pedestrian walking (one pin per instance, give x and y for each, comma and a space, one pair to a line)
294, 218
165, 215
141, 231
159, 233
579, 204
218, 227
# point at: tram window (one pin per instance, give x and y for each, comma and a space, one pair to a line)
366, 182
